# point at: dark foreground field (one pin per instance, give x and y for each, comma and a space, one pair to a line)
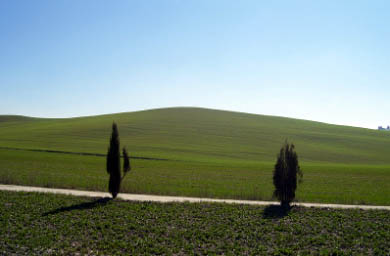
33, 223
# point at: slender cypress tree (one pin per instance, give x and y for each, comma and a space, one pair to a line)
285, 174
114, 161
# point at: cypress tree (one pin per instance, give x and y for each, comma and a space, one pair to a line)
286, 174
126, 163
114, 161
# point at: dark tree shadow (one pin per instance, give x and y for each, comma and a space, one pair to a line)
82, 206
276, 212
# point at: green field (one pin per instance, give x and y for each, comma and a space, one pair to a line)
198, 152
47, 224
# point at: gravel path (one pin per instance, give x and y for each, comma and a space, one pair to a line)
166, 199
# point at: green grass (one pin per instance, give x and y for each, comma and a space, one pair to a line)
39, 224
347, 184
208, 153
200, 135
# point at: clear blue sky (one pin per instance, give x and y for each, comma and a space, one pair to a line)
325, 60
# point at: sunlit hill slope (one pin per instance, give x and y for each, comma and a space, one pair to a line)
198, 134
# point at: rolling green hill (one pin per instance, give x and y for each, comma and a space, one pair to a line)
206, 152
200, 135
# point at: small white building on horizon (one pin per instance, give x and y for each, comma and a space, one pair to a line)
381, 128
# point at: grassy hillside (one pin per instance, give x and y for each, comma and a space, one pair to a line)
206, 153
200, 135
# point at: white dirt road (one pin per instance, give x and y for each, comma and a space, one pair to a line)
167, 199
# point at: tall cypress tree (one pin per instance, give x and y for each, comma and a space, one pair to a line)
113, 162
286, 174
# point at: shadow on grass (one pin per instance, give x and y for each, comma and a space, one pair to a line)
82, 206
276, 212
